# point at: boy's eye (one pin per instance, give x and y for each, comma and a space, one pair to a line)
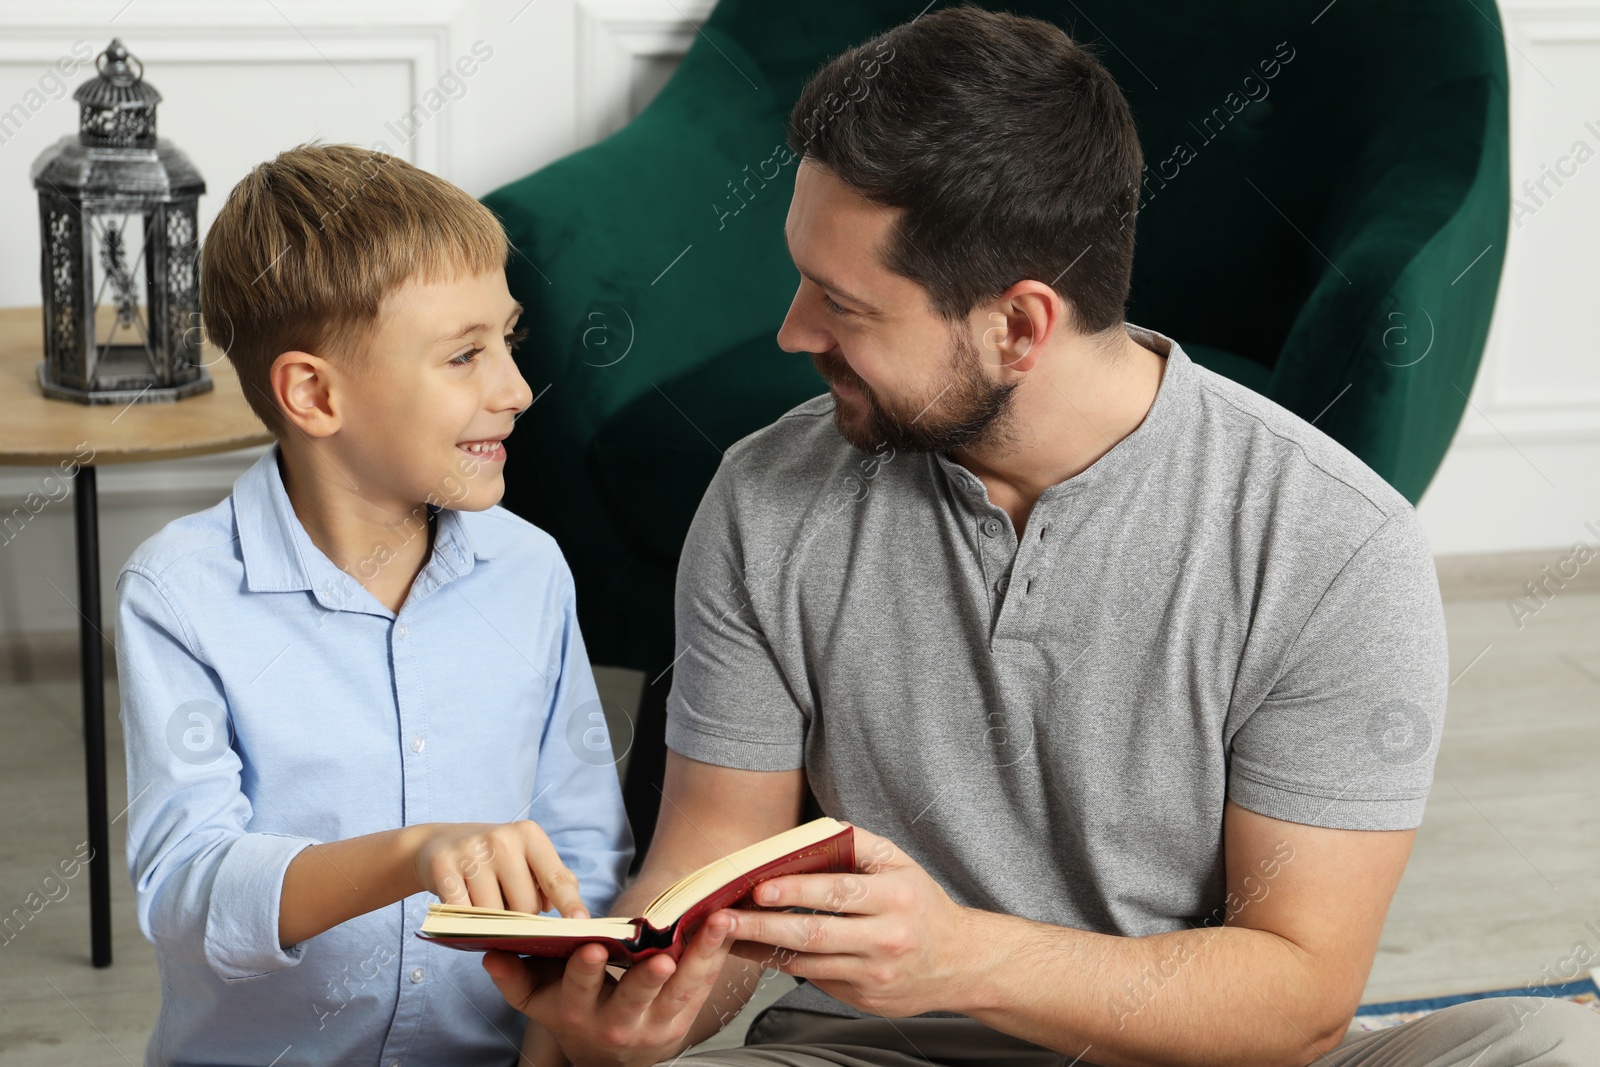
512, 340
836, 308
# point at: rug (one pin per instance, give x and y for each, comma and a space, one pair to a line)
1585, 991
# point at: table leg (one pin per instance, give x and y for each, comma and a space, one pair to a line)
92, 666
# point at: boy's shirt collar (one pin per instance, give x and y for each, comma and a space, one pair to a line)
280, 557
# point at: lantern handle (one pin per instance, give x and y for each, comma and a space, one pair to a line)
123, 57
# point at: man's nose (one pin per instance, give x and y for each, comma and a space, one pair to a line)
800, 332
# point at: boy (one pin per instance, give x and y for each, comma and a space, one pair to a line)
351, 683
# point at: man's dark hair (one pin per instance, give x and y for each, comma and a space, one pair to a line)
1008, 144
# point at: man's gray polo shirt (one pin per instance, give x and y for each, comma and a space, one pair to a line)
1227, 604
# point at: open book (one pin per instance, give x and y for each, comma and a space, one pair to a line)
822, 846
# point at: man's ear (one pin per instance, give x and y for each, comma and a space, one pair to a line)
304, 387
1020, 322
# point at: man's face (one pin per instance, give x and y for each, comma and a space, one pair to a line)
900, 374
437, 394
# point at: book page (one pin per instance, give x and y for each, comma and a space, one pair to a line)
683, 894
460, 920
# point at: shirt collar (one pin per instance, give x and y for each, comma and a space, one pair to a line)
1173, 405
279, 556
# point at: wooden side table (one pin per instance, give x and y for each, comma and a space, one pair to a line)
38, 432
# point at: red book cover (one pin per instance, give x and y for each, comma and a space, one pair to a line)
832, 855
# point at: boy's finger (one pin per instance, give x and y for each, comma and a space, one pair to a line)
518, 888
484, 888
452, 890
560, 885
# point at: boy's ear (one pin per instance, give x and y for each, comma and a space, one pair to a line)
302, 385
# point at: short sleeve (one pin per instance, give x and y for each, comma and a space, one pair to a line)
730, 703
1348, 733
205, 888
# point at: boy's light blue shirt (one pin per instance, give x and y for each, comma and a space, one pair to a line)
270, 702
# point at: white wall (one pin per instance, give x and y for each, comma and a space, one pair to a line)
1524, 469
246, 78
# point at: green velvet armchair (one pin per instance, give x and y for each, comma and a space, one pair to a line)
1324, 216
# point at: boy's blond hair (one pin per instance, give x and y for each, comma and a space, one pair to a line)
308, 245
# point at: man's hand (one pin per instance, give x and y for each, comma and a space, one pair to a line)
658, 1008
495, 865
897, 949
642, 1018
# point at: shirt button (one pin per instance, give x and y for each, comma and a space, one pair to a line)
416, 975
400, 630
991, 527
1000, 586
417, 743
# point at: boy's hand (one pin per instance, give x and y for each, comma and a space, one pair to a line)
496, 865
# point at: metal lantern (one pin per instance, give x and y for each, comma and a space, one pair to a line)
119, 236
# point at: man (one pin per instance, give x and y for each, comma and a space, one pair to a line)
1130, 679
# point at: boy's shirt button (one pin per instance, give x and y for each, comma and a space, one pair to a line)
416, 975
417, 743
400, 630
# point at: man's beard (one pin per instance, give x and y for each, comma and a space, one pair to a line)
965, 410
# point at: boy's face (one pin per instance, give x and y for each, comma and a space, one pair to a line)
427, 410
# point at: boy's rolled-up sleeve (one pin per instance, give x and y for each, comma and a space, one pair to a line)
206, 888
577, 799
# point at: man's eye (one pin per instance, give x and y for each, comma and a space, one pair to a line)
516, 338
834, 307
466, 357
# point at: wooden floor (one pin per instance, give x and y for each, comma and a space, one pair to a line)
1503, 883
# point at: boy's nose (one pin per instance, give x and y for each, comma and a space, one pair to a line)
518, 395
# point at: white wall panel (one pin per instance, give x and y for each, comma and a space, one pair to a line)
1524, 469
244, 79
